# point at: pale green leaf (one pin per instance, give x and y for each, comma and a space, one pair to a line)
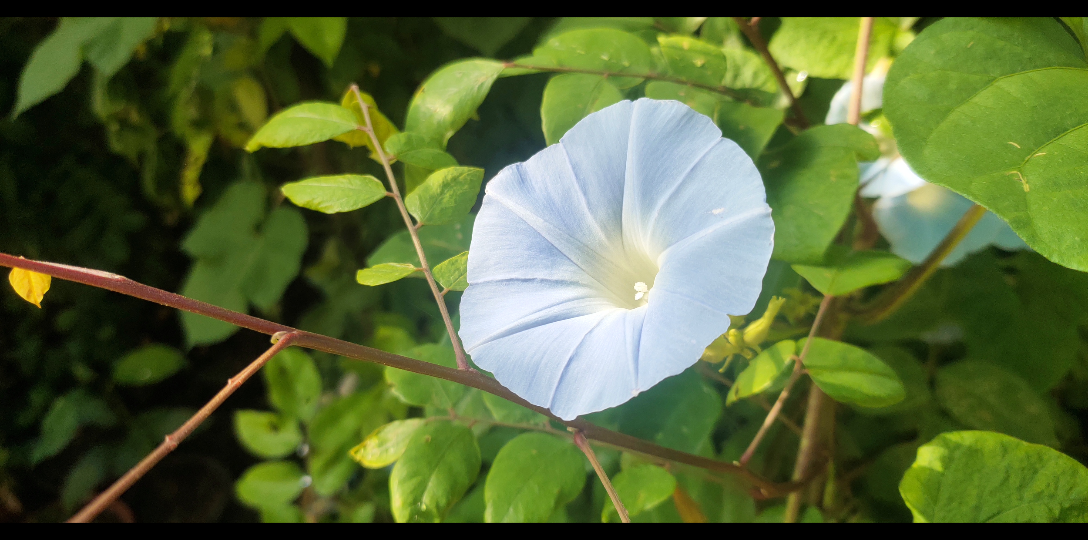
272, 483
333, 194
570, 97
605, 50
386, 444
453, 272
267, 434
845, 271
449, 97
383, 128
303, 124
446, 196
640, 488
824, 46
851, 375
440, 464
766, 372
384, 273
532, 476
984, 477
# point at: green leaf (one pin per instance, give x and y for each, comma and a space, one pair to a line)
334, 194
272, 483
694, 60
811, 183
485, 34
845, 271
981, 395
384, 273
750, 127
766, 372
911, 373
112, 48
570, 97
453, 272
421, 390
281, 513
147, 365
640, 488
1079, 27
64, 418
235, 265
679, 412
983, 477
440, 464
303, 124
851, 375
449, 97
599, 49
1025, 164
386, 444
509, 412
267, 434
383, 128
446, 196
294, 384
533, 475
87, 473
56, 60
439, 243
322, 36
824, 46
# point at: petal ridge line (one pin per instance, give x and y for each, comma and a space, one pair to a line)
570, 356
733, 220
664, 198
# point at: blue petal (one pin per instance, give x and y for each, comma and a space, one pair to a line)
603, 371
894, 179
916, 222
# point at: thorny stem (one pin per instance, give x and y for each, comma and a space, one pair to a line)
583, 445
281, 341
781, 401
756, 38
818, 403
724, 90
113, 282
458, 349
893, 297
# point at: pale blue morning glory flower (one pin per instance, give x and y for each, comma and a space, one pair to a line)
609, 261
912, 214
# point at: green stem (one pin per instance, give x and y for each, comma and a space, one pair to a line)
893, 297
583, 445
751, 30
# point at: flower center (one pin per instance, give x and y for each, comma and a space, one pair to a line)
641, 290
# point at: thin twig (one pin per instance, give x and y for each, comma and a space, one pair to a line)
281, 341
891, 298
861, 57
123, 285
583, 445
724, 90
754, 36
781, 401
759, 400
458, 349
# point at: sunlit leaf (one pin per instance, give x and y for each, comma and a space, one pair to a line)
532, 476
446, 196
640, 488
440, 464
334, 194
383, 128
386, 444
599, 49
31, 286
1002, 121
303, 124
765, 372
449, 97
985, 477
384, 273
845, 271
851, 375
453, 272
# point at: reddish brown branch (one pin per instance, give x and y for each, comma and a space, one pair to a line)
756, 38
282, 340
104, 280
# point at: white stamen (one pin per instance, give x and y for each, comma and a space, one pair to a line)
640, 290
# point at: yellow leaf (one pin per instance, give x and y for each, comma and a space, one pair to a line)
32, 286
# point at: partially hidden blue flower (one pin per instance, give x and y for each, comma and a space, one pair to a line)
911, 213
610, 260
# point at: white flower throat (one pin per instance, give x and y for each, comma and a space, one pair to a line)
641, 291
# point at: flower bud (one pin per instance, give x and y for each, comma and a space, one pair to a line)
756, 332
